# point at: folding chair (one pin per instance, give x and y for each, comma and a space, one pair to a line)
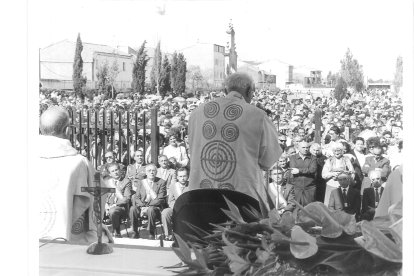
203, 206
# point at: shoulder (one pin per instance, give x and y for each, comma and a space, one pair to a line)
288, 187
159, 180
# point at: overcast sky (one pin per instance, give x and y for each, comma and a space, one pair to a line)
314, 34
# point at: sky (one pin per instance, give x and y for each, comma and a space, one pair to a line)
307, 34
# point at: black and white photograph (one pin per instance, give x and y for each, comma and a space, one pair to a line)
221, 137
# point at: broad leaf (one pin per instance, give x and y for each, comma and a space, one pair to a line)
395, 211
302, 251
264, 208
183, 249
333, 223
237, 264
235, 213
378, 244
396, 232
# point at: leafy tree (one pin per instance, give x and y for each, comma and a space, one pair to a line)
139, 70
340, 90
156, 70
174, 70
78, 80
351, 72
165, 77
331, 79
194, 74
398, 76
179, 84
112, 75
103, 75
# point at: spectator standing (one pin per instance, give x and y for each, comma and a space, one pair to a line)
334, 166
303, 169
316, 151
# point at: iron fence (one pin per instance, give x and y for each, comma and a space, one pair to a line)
95, 132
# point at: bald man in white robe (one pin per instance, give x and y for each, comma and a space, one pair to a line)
65, 211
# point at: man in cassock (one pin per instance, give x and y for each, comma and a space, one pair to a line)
232, 141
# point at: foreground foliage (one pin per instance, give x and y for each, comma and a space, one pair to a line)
313, 241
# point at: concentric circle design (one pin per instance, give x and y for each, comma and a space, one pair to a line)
78, 227
226, 186
232, 112
209, 130
230, 132
211, 109
47, 216
218, 160
206, 184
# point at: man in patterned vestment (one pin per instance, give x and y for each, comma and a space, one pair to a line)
232, 141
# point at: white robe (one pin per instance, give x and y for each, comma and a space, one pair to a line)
61, 174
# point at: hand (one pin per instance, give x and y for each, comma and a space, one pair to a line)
295, 170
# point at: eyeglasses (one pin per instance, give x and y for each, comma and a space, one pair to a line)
110, 157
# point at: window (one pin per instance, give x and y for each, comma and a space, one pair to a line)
123, 66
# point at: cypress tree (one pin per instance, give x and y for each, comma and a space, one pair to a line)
78, 80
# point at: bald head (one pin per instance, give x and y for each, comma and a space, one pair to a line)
242, 83
54, 122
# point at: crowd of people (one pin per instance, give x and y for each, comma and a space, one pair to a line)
358, 150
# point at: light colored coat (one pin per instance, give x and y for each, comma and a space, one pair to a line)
61, 174
231, 142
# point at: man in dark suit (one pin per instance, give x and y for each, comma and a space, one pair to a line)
150, 198
136, 171
371, 196
345, 198
117, 203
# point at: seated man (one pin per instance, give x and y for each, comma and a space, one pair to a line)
282, 192
149, 198
345, 198
164, 172
136, 171
372, 195
117, 203
176, 189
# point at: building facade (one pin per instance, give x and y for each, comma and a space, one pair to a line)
211, 61
56, 65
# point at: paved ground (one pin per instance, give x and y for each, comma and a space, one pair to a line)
143, 240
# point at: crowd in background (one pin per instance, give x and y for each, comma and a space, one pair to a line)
360, 142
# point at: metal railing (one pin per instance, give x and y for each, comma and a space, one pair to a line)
95, 132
